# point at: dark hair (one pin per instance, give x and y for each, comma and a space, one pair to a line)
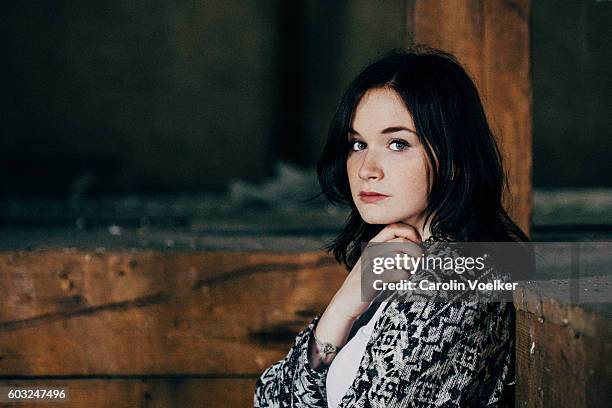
466, 193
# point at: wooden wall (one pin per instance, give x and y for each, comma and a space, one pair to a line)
164, 329
564, 350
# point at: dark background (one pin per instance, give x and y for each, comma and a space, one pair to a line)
153, 96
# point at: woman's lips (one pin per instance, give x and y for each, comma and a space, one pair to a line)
371, 198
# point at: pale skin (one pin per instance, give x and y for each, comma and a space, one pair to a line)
386, 157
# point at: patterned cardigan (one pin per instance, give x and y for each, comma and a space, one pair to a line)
420, 354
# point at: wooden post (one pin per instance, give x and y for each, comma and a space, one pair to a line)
491, 40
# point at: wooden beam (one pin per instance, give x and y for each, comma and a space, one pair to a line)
491, 40
152, 313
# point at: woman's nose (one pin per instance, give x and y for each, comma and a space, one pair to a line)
370, 167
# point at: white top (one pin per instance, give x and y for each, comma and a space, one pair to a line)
343, 369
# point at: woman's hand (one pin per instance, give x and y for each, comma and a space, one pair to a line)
347, 302
346, 305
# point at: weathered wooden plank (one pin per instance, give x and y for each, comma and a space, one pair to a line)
559, 366
130, 313
163, 392
564, 352
491, 39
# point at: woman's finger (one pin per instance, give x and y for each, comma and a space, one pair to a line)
407, 247
398, 230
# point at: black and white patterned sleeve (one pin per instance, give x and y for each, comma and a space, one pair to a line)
456, 353
292, 382
433, 352
461, 355
436, 355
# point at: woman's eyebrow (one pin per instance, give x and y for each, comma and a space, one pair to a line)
394, 129
391, 129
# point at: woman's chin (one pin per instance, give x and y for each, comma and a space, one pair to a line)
370, 217
378, 219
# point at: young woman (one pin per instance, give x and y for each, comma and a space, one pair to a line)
410, 151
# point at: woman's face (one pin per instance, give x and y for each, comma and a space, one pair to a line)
386, 157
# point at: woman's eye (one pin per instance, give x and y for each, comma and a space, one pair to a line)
401, 145
355, 142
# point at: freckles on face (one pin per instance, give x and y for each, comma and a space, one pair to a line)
385, 156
